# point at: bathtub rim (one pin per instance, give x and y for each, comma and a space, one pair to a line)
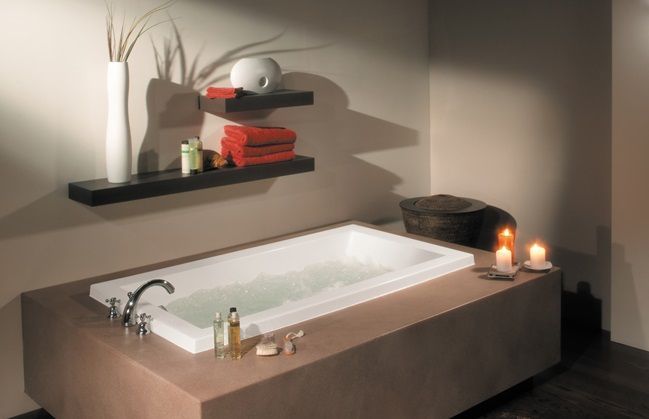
196, 340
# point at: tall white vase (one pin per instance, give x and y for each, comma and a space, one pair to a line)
118, 130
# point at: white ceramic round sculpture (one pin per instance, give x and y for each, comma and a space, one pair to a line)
259, 75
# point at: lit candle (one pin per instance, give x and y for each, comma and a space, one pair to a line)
537, 256
504, 260
506, 239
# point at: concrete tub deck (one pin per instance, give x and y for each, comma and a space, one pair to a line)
432, 350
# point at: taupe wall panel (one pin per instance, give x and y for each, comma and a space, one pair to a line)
371, 144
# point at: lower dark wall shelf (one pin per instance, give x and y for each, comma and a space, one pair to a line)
100, 191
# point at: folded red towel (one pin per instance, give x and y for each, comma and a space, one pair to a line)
253, 136
224, 92
232, 146
267, 158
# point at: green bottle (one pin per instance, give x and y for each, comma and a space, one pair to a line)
195, 156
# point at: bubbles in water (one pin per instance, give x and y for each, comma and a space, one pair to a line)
267, 291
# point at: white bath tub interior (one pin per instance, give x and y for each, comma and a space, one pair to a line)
283, 283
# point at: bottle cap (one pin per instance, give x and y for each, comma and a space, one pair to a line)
233, 309
217, 315
184, 142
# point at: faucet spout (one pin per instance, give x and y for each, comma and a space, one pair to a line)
134, 297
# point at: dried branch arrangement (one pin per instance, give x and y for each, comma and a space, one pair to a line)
121, 44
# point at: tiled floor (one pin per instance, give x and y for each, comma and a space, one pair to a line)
596, 379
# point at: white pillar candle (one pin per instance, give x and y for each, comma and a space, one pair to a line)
504, 260
537, 257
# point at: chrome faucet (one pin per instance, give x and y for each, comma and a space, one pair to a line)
134, 297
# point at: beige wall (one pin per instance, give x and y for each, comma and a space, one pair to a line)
630, 263
520, 118
366, 61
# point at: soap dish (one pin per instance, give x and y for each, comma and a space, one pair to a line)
267, 346
546, 266
496, 274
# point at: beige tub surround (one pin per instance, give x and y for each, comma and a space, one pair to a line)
431, 350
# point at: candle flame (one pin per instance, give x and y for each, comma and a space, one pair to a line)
504, 248
536, 246
506, 232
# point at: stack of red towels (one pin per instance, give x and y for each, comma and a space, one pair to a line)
224, 92
248, 146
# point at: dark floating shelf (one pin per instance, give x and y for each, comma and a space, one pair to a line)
146, 185
100, 192
277, 99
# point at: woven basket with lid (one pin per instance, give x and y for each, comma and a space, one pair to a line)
444, 217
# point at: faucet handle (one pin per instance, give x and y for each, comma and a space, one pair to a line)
141, 326
112, 310
144, 317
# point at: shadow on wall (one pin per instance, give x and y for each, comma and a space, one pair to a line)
172, 107
173, 115
495, 220
336, 135
508, 41
582, 309
330, 132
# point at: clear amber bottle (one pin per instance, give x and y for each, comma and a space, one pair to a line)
234, 334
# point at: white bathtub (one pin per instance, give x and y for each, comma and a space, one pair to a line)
406, 262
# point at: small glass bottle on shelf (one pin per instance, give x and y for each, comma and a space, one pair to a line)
219, 337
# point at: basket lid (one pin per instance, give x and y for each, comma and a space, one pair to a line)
443, 203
